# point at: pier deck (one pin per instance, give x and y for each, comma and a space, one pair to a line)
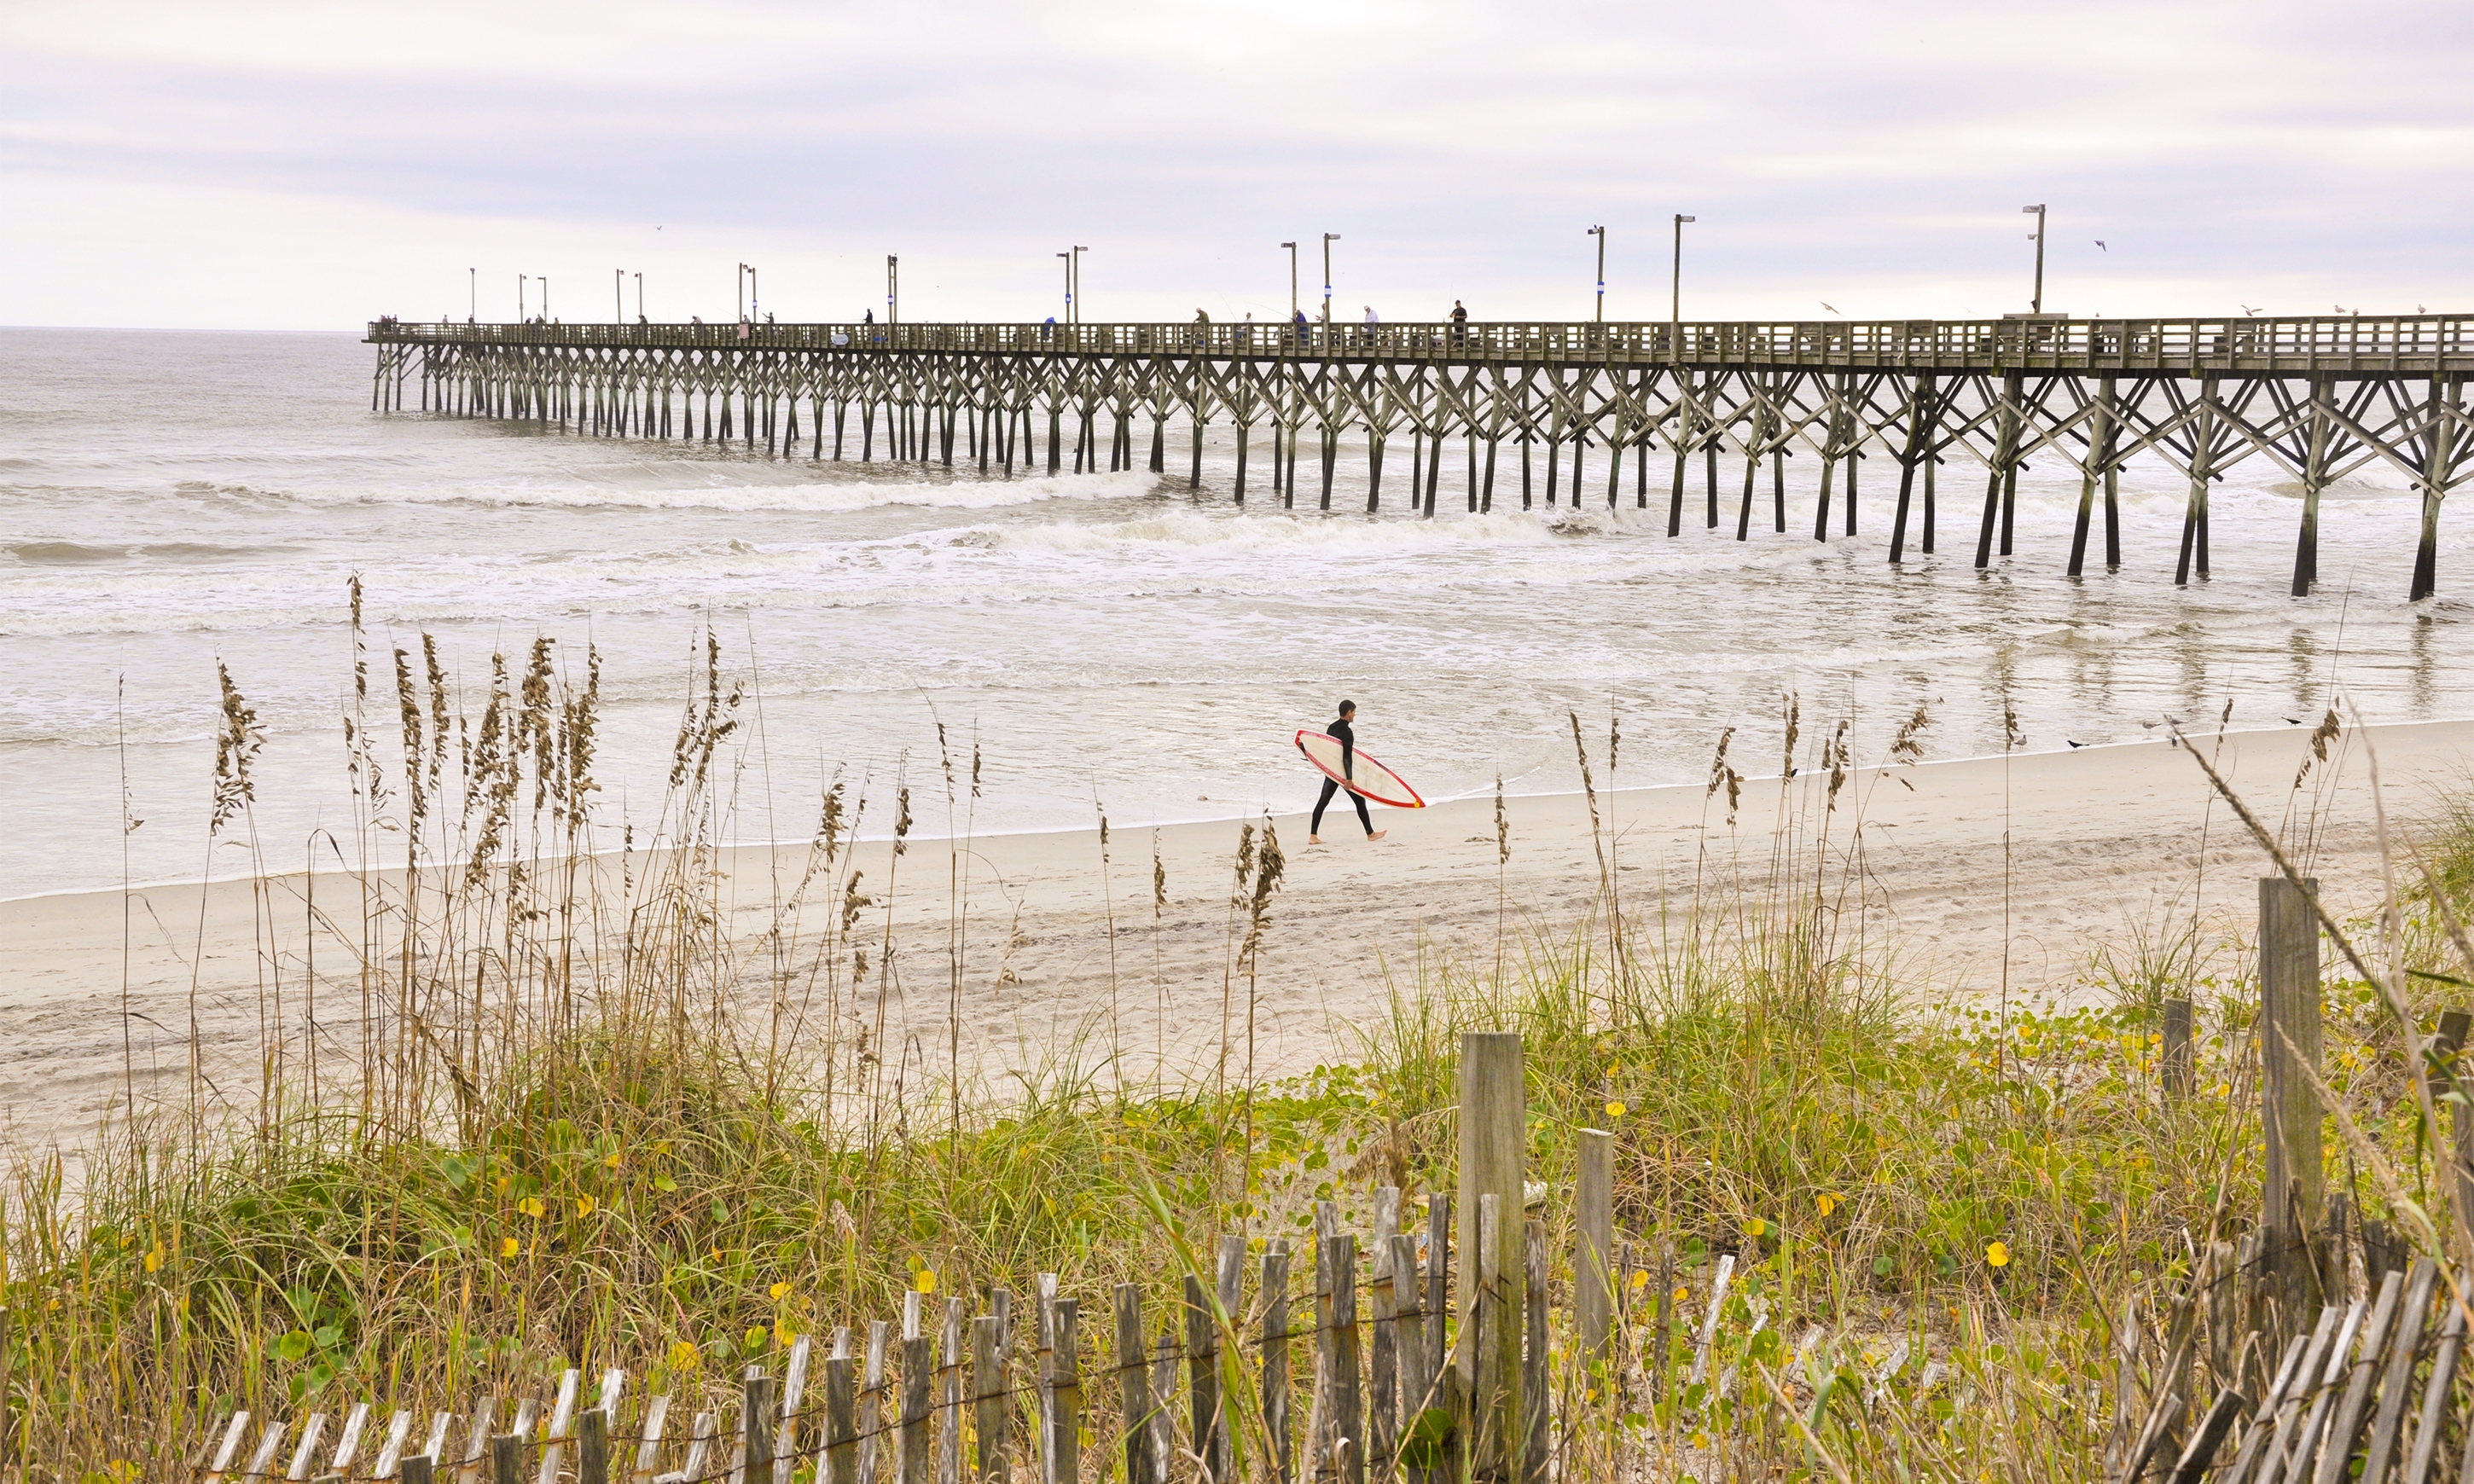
2320, 398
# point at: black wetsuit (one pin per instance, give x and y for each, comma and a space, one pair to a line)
1332, 785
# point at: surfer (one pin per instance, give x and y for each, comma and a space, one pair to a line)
1347, 739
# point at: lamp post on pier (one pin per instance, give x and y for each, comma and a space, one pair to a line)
1328, 238
892, 289
2036, 304
617, 295
640, 297
474, 286
545, 283
1675, 308
1600, 233
1067, 258
1079, 249
1292, 279
521, 280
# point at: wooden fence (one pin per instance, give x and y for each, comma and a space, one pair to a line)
2315, 1350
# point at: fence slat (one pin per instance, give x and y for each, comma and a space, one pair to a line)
561, 1426
1163, 1428
2323, 1398
871, 1398
918, 1372
2398, 1383
593, 1447
1133, 1383
390, 1452
1066, 1454
305, 1454
418, 1469
2434, 1418
2346, 1425
841, 1421
263, 1459
987, 1399
1383, 1368
1439, 1294
795, 1393
701, 1444
648, 1447
1348, 1393
949, 1407
1533, 1361
349, 1441
1231, 1288
1273, 1282
2220, 1419
231, 1446
1594, 1230
757, 1406
1202, 1372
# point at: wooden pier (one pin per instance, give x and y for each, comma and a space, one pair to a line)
2318, 398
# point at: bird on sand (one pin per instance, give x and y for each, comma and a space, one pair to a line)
2075, 744
2293, 721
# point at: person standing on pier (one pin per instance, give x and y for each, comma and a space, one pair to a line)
1347, 739
1460, 324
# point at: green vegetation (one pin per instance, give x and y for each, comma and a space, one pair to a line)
563, 1143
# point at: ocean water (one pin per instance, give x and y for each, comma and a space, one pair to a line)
170, 502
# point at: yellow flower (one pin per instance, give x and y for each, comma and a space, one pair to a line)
1826, 1203
683, 1355
584, 1205
755, 1335
1617, 1110
531, 1205
777, 1290
1756, 1226
508, 1247
925, 1280
1997, 1255
1682, 1293
1639, 1280
615, 1160
154, 1257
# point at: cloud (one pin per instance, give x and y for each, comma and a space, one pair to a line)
287, 165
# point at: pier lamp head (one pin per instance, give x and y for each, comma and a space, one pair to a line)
1331, 236
1289, 245
1681, 219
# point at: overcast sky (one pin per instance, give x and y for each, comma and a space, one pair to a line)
311, 166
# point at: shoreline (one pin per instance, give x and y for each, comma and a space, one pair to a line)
2102, 838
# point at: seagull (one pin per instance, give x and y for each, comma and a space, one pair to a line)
2150, 726
2418, 309
1832, 309
2075, 744
2100, 242
2247, 309
2293, 721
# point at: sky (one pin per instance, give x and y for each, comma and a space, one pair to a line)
311, 166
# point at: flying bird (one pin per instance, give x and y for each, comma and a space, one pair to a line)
2100, 242
2418, 309
1832, 309
2247, 309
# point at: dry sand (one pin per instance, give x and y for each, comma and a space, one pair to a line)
2101, 839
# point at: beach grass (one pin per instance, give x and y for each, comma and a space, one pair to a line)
586, 1126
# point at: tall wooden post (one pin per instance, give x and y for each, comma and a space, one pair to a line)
2449, 1045
2439, 464
1493, 1115
2195, 514
2291, 1188
1593, 1274
2175, 1065
1064, 1451
1133, 1385
1275, 1340
2001, 482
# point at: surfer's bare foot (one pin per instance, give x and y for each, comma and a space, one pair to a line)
1376, 834
1314, 839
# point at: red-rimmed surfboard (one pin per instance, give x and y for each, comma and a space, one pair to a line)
1374, 781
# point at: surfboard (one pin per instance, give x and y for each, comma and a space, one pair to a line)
1374, 781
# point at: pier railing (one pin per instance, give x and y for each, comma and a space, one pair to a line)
2411, 344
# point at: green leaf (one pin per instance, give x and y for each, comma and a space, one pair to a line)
1426, 1438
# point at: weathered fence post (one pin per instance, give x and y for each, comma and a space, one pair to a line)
918, 1370
2289, 1041
1065, 1394
1493, 1139
1134, 1385
1231, 1294
2175, 1065
841, 1419
1348, 1406
988, 1397
1383, 1370
418, 1469
507, 1458
593, 1447
2449, 1044
1275, 1283
756, 1407
1533, 1361
1202, 1372
1593, 1277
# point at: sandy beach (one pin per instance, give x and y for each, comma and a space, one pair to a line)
2101, 839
